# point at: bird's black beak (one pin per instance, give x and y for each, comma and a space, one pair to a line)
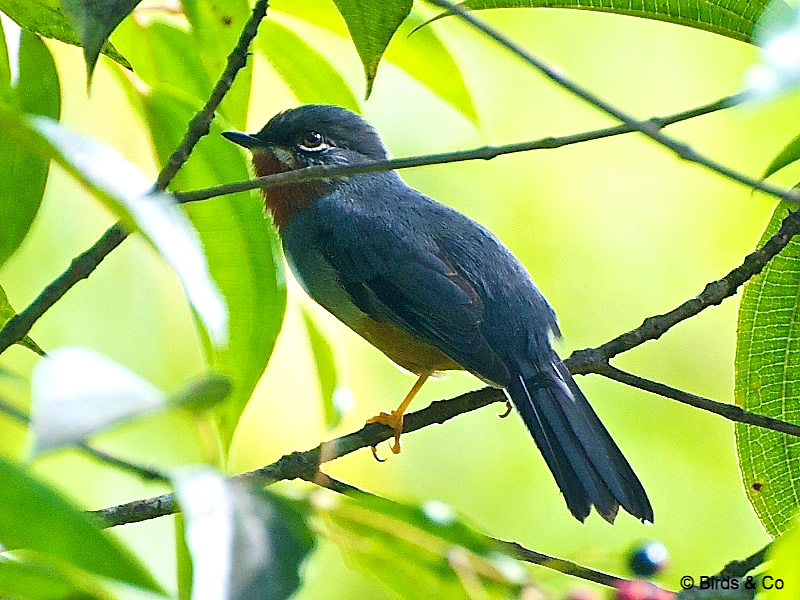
244, 139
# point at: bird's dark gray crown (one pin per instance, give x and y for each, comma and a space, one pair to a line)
341, 127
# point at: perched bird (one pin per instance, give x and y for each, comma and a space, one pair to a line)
434, 291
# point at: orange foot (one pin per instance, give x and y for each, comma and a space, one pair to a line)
394, 420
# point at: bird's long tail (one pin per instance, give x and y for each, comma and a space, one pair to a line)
586, 462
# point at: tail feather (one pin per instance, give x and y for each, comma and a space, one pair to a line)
588, 466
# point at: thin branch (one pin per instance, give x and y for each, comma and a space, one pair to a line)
591, 360
684, 151
145, 473
732, 412
305, 465
482, 153
514, 549
83, 266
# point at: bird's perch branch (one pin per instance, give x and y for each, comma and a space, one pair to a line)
304, 465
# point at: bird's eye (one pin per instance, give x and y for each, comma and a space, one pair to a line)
312, 140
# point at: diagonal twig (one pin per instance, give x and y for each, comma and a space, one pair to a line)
683, 150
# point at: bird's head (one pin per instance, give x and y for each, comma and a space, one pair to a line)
315, 134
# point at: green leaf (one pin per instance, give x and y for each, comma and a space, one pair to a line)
244, 543
94, 20
428, 60
786, 157
5, 69
202, 394
6, 314
23, 174
216, 26
183, 560
28, 580
47, 18
782, 564
308, 73
768, 382
241, 246
326, 370
737, 19
36, 517
419, 551
126, 191
372, 24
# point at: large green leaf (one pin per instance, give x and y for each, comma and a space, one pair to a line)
737, 19
419, 551
36, 517
94, 20
216, 26
782, 565
245, 543
768, 382
241, 248
372, 23
23, 174
47, 18
28, 580
308, 73
7, 313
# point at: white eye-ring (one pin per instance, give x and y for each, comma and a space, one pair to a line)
313, 141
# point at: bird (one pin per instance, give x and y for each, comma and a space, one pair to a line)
434, 291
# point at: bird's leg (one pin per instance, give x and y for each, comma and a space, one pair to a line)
394, 419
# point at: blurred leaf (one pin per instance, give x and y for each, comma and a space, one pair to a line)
767, 381
216, 26
183, 560
36, 517
372, 24
23, 174
202, 394
94, 20
326, 370
27, 580
164, 55
782, 564
737, 19
76, 392
244, 543
126, 191
426, 58
47, 18
786, 157
241, 247
6, 314
5, 68
310, 76
419, 551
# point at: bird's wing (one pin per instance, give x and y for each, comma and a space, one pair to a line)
401, 275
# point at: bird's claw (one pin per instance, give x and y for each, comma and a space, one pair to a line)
394, 420
507, 411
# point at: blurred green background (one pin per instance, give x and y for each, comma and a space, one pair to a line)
612, 231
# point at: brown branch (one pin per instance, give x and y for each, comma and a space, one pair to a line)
683, 150
304, 465
482, 153
83, 266
732, 412
591, 360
